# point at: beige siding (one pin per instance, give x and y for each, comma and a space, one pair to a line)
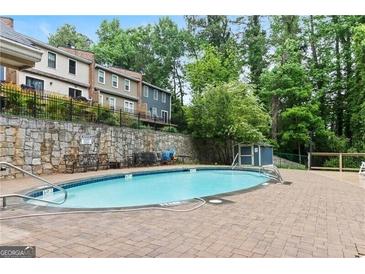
120, 89
62, 70
52, 85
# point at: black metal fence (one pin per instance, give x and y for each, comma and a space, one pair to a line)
30, 103
288, 160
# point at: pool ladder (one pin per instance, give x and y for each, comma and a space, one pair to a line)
272, 172
3, 197
234, 162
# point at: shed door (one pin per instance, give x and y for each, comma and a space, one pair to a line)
266, 155
246, 155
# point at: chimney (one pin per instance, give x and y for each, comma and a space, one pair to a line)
7, 21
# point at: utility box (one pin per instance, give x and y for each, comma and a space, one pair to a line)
253, 154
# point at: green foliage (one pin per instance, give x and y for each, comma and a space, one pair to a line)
347, 162
213, 69
67, 36
57, 108
213, 30
169, 129
255, 49
155, 50
358, 99
178, 118
16, 102
229, 111
308, 71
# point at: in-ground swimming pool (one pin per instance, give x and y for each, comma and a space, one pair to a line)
151, 188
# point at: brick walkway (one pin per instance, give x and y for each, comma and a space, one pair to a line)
316, 216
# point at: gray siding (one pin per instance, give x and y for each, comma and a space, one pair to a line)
120, 89
151, 102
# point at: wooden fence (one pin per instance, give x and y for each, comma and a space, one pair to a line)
335, 161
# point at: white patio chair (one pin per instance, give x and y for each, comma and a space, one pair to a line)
362, 168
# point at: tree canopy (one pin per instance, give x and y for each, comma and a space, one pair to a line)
67, 36
306, 72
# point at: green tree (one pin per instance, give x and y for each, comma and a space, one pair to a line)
227, 112
212, 69
357, 101
255, 48
67, 36
212, 29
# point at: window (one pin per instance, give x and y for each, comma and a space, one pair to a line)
128, 106
74, 93
127, 85
2, 73
112, 103
115, 80
101, 76
163, 97
51, 60
72, 66
165, 116
155, 94
101, 100
154, 112
34, 83
145, 91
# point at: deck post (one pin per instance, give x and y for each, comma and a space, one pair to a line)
340, 162
120, 118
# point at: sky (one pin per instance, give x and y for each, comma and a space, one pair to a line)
40, 27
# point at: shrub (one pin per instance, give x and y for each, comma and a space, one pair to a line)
169, 129
107, 117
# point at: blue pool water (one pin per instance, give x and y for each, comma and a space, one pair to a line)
157, 188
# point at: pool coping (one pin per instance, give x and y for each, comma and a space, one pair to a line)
96, 178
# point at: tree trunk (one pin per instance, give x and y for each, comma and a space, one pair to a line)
346, 42
317, 66
274, 116
338, 85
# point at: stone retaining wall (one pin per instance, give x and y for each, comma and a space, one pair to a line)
39, 145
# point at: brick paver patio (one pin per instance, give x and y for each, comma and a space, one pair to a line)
319, 215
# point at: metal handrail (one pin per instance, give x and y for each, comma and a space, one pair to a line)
273, 168
30, 197
234, 160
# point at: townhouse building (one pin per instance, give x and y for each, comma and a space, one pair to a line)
116, 90
75, 73
57, 72
119, 88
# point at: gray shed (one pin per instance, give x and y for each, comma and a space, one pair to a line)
253, 154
